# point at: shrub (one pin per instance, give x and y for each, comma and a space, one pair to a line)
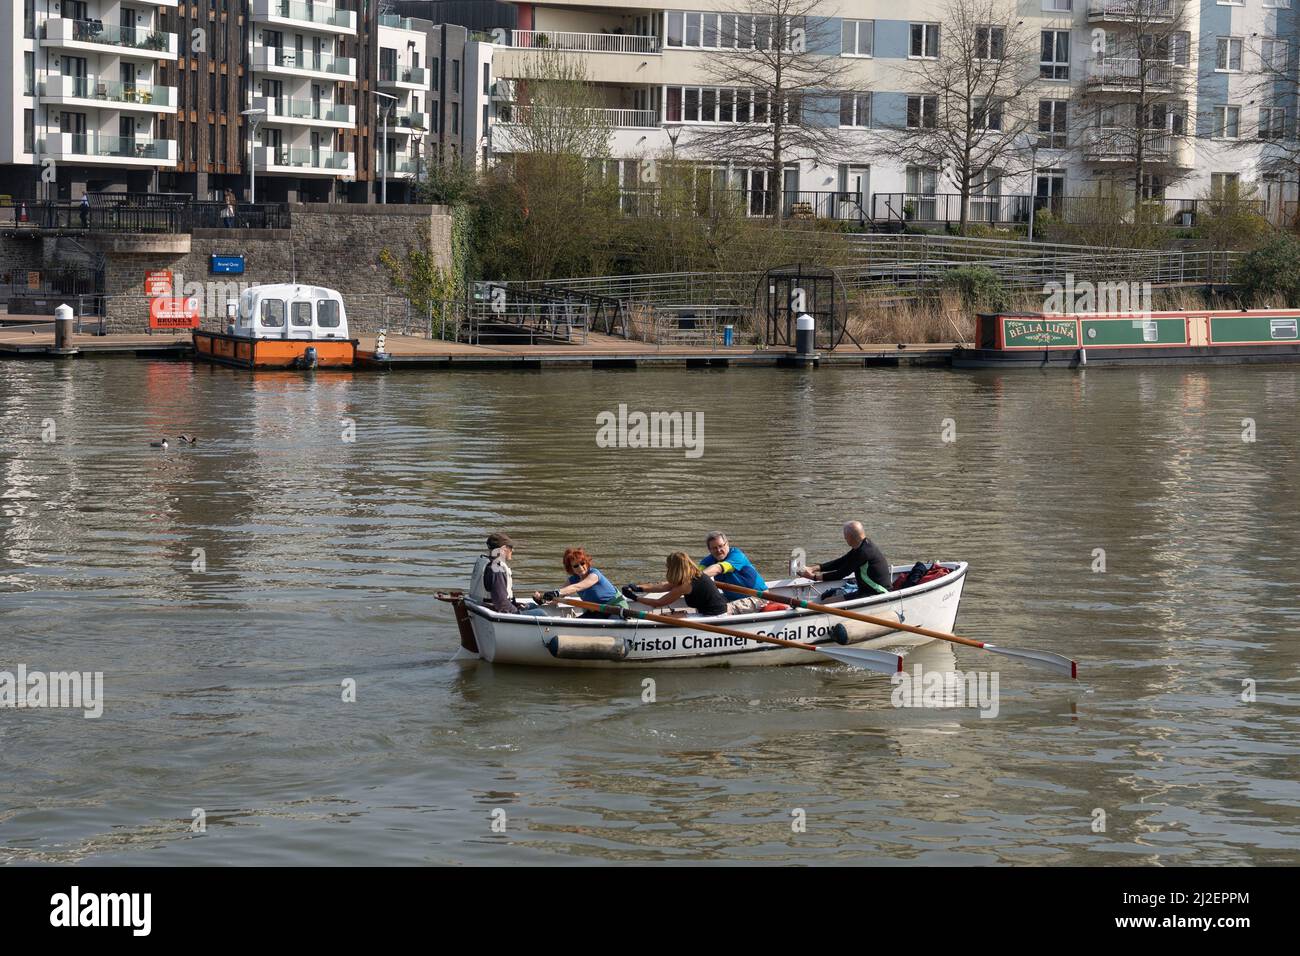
1271, 271
978, 286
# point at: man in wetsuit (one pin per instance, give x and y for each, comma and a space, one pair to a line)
865, 562
732, 566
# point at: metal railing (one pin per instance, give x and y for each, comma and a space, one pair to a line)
272, 56
110, 34
1014, 209
288, 108
757, 203
520, 315
584, 42
1120, 144
1150, 74
99, 145
309, 13
407, 74
302, 157
1152, 10
134, 215
947, 207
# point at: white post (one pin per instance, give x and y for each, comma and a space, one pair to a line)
383, 147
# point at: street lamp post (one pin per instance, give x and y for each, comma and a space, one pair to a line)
254, 117
1033, 185
383, 148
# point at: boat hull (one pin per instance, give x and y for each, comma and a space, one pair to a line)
522, 639
244, 352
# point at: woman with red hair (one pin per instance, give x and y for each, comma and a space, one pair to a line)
584, 581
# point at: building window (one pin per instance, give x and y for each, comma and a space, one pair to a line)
29, 74
1227, 122
989, 43
1225, 185
855, 109
1277, 4
1274, 55
1272, 122
1228, 57
987, 113
857, 37
1051, 124
29, 20
455, 119
1054, 55
1058, 6
922, 112
455, 76
29, 131
925, 41
676, 27
1180, 46
487, 78
436, 71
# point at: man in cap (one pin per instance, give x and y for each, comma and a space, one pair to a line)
492, 582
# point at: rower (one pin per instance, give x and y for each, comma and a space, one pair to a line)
732, 566
586, 582
865, 562
492, 582
685, 581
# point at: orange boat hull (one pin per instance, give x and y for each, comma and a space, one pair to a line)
272, 353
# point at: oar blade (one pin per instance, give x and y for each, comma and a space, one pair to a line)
1045, 659
882, 662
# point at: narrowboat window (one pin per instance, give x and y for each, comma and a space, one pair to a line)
301, 314
327, 314
273, 313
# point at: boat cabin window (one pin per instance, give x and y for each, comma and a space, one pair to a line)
273, 313
301, 314
327, 314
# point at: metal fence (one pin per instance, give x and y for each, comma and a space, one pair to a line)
137, 216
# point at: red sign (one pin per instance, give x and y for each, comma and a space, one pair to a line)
158, 282
173, 314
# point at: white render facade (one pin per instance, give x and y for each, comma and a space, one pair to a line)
297, 79
406, 74
649, 63
81, 87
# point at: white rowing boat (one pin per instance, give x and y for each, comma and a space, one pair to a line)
559, 641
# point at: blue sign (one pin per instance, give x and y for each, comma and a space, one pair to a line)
227, 265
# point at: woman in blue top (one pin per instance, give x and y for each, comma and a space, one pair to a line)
587, 583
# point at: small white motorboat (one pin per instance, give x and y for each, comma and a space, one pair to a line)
566, 641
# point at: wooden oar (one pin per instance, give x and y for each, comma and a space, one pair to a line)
1053, 662
881, 661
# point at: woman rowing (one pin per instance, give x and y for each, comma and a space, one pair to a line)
584, 581
686, 581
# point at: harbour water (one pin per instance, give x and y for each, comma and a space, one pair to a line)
1144, 521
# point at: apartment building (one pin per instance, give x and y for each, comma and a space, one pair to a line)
140, 96
1209, 121
86, 99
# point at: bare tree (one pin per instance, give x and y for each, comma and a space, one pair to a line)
968, 109
1135, 93
1273, 93
777, 88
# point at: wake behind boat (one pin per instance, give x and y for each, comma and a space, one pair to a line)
556, 640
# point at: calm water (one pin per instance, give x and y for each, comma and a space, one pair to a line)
223, 686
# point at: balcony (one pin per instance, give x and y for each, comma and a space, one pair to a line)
97, 149
1140, 12
319, 17
399, 166
417, 123
396, 22
321, 66
102, 94
1120, 145
614, 118
404, 77
583, 42
95, 36
1131, 75
303, 161
284, 110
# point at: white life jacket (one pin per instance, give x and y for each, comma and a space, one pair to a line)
478, 591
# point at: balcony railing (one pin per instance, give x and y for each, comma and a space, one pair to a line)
1119, 144
322, 14
283, 107
304, 158
584, 42
518, 115
791, 204
108, 34
416, 75
96, 146
399, 166
89, 88
1142, 11
1150, 74
396, 22
412, 121
946, 207
268, 57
